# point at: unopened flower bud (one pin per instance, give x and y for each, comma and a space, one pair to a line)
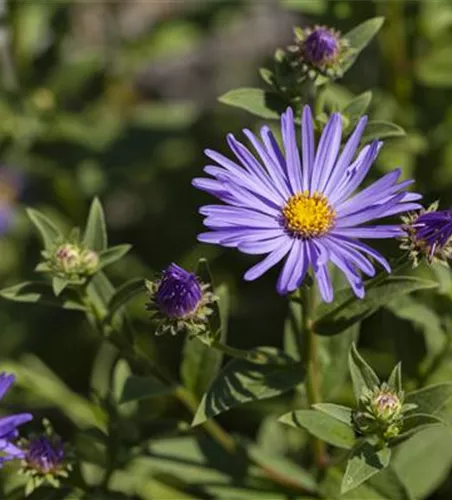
321, 46
89, 262
67, 258
428, 235
179, 301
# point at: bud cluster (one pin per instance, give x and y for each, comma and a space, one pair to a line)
380, 412
179, 302
71, 261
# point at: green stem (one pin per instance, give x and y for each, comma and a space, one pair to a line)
309, 356
239, 353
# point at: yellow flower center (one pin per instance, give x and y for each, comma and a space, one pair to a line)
308, 215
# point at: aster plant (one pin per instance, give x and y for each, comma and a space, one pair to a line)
306, 195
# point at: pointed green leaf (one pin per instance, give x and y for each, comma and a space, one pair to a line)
432, 399
112, 254
42, 293
100, 291
333, 319
122, 295
95, 237
49, 232
360, 36
242, 381
58, 285
137, 388
256, 101
395, 379
363, 376
339, 412
381, 130
415, 423
357, 106
365, 461
321, 425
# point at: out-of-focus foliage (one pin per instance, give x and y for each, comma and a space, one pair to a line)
118, 100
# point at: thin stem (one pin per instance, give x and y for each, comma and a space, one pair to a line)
309, 356
239, 353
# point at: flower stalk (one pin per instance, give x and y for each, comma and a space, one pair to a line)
309, 356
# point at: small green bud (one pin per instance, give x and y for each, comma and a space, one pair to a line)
67, 258
380, 413
89, 262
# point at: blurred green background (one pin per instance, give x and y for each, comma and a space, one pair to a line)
119, 99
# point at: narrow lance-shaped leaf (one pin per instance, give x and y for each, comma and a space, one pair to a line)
112, 254
254, 100
242, 381
323, 426
49, 232
363, 376
339, 412
333, 319
42, 293
431, 400
357, 106
122, 295
395, 379
381, 130
95, 237
365, 461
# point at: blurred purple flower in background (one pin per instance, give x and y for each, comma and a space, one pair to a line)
11, 186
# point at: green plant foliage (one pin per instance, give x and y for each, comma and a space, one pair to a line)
242, 381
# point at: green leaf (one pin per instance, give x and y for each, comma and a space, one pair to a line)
138, 388
357, 107
360, 36
381, 130
339, 412
42, 293
323, 426
380, 291
95, 237
416, 422
432, 399
242, 381
58, 285
395, 379
100, 291
363, 376
122, 295
256, 101
49, 232
433, 69
365, 461
112, 254
282, 466
424, 461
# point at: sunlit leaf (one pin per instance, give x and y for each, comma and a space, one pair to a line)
256, 101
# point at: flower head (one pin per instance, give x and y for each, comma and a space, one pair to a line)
318, 50
9, 424
179, 301
303, 207
45, 458
71, 261
320, 46
380, 412
429, 234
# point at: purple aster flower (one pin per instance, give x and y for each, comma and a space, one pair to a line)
179, 301
303, 207
320, 46
9, 424
429, 234
44, 454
